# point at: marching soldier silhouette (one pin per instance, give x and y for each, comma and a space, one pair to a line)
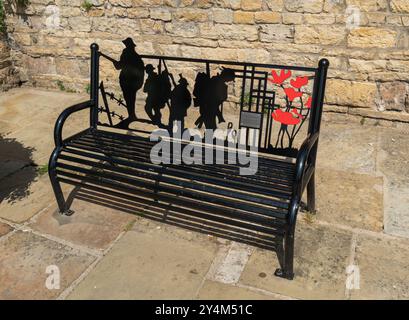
210, 93
130, 79
180, 101
158, 89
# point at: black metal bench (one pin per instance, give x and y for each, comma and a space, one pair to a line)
267, 110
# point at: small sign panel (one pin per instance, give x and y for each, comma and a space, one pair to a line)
251, 119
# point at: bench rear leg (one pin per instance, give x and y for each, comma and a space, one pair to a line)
311, 194
59, 196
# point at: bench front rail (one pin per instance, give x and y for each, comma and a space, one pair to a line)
267, 107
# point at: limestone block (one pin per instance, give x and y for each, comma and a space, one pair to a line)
267, 17
243, 17
401, 6
251, 5
311, 6
367, 37
271, 33
222, 15
342, 92
319, 35
369, 5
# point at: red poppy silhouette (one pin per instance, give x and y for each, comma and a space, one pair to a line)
308, 103
279, 79
299, 82
287, 118
295, 112
292, 94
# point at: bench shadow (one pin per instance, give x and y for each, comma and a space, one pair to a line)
172, 215
17, 170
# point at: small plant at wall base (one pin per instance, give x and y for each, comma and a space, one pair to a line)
87, 5
42, 170
60, 85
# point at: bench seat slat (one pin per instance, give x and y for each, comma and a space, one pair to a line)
137, 162
126, 140
286, 172
198, 171
272, 177
171, 171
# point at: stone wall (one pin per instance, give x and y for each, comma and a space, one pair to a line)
8, 74
366, 41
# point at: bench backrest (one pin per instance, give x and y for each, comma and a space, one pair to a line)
270, 106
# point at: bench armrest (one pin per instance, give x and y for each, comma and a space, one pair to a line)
303, 169
63, 117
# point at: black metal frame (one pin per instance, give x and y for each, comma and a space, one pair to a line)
299, 176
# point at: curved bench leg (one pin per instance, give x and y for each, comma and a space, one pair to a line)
287, 271
311, 194
59, 196
287, 267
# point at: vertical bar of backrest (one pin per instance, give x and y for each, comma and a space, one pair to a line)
317, 106
318, 96
94, 85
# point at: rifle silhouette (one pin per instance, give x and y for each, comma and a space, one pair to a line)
108, 58
170, 75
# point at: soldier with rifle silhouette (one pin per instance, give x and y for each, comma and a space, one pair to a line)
210, 93
131, 78
180, 101
158, 89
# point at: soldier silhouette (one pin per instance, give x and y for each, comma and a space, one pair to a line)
158, 89
210, 95
131, 78
180, 101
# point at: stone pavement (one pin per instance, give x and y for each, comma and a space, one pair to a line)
105, 253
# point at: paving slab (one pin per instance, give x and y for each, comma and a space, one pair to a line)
384, 268
7, 127
212, 290
20, 106
393, 160
91, 225
321, 256
25, 106
150, 263
4, 229
396, 218
350, 199
31, 114
24, 261
348, 147
24, 194
393, 163
39, 138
